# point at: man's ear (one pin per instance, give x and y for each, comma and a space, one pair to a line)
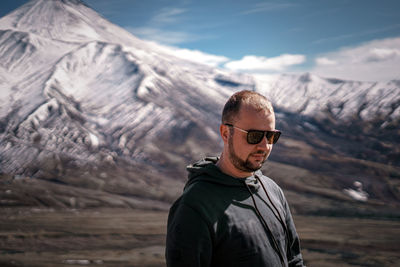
224, 131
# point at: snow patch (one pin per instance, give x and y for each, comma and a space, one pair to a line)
357, 193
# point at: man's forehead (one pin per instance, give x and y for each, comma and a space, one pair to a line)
248, 116
248, 108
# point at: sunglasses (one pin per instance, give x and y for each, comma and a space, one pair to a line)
256, 136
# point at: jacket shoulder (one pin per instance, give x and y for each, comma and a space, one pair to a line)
207, 199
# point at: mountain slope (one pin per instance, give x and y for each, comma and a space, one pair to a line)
309, 94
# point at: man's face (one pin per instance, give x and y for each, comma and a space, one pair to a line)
246, 157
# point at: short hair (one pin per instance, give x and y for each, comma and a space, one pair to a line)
234, 103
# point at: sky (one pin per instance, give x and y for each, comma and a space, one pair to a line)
346, 39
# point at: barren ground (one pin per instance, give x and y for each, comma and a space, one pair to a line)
129, 237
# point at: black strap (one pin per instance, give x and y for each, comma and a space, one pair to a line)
274, 243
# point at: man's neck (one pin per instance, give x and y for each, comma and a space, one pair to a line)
227, 167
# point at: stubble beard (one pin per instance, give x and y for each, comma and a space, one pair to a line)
244, 165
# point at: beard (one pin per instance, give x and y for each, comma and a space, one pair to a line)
244, 165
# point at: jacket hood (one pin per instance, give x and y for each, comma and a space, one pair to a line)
206, 170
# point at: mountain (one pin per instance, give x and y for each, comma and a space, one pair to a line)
99, 117
364, 115
345, 100
80, 92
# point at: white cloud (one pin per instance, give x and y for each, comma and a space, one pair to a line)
378, 60
323, 61
263, 64
383, 54
191, 55
200, 57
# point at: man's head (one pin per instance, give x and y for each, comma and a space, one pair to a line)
244, 98
247, 118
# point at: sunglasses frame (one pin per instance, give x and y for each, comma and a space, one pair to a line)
276, 134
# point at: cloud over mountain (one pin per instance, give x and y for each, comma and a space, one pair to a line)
378, 60
262, 64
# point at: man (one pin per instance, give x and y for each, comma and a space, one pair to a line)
229, 213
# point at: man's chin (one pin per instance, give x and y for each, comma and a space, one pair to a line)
254, 166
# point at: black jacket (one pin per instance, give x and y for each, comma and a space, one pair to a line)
224, 221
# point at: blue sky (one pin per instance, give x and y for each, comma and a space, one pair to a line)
269, 36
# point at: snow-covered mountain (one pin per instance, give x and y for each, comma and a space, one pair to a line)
309, 94
76, 86
74, 83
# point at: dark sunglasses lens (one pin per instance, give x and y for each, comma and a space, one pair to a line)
273, 137
278, 134
255, 137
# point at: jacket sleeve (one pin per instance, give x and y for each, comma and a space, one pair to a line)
295, 259
188, 238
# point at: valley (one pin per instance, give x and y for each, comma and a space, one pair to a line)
130, 237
